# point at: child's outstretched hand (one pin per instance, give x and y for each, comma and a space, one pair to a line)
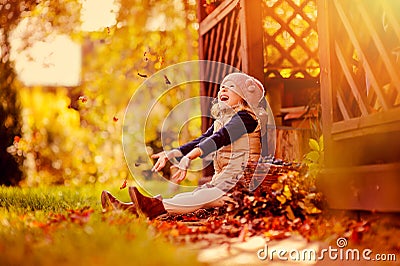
182, 167
162, 160
163, 157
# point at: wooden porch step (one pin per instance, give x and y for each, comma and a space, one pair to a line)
367, 187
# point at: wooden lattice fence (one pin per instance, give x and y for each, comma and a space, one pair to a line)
360, 89
232, 35
290, 39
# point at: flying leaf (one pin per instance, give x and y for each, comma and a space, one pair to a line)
17, 139
115, 119
161, 60
142, 75
83, 99
167, 80
123, 184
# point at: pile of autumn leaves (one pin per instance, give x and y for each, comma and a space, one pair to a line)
285, 201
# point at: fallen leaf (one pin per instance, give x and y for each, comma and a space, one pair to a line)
289, 213
277, 187
80, 216
286, 192
281, 198
243, 233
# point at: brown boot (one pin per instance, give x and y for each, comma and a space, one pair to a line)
151, 207
109, 202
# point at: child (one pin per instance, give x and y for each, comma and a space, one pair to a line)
235, 137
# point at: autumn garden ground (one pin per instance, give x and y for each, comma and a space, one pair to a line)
66, 226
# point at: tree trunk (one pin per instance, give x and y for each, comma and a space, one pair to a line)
10, 126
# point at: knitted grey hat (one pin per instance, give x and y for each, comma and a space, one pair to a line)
249, 88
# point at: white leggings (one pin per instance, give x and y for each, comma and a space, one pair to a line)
191, 201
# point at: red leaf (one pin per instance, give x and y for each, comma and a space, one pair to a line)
17, 139
80, 216
115, 119
83, 99
123, 185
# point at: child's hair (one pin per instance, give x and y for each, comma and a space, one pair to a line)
218, 108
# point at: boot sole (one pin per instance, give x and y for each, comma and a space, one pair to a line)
105, 201
132, 194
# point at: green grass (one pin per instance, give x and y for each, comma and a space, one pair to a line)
37, 228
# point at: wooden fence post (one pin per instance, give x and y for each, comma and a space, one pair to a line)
252, 38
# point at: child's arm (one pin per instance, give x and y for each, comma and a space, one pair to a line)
241, 123
186, 148
164, 156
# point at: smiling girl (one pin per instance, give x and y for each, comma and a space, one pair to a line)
235, 140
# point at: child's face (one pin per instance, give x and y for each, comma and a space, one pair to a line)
227, 95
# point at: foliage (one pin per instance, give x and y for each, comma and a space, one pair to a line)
10, 124
87, 120
210, 5
61, 226
314, 159
288, 207
276, 209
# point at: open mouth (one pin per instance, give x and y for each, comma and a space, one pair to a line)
224, 98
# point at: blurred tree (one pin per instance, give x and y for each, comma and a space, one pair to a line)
82, 143
148, 36
11, 13
10, 119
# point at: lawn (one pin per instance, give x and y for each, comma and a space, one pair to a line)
65, 226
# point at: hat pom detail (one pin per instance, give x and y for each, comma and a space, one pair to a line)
250, 85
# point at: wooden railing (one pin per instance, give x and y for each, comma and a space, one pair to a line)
232, 35
361, 55
360, 96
